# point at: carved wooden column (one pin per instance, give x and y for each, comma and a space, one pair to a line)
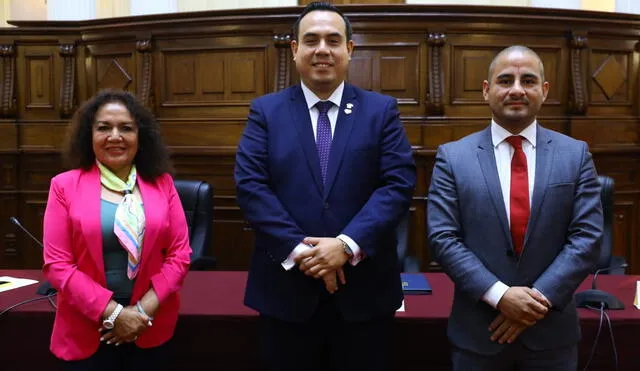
577, 93
283, 66
7, 90
435, 94
144, 47
68, 82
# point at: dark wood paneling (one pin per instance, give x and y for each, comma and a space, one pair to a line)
389, 69
212, 77
38, 77
10, 237
612, 76
625, 227
199, 72
205, 77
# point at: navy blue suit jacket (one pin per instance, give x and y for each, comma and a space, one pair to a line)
370, 181
470, 236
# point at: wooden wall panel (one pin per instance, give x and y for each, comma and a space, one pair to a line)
207, 78
8, 136
198, 73
10, 237
39, 74
612, 76
390, 70
8, 172
626, 220
469, 57
607, 132
212, 77
111, 66
392, 65
37, 80
203, 135
37, 169
32, 138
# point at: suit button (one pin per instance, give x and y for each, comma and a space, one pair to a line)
326, 206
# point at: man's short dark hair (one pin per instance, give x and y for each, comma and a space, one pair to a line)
152, 158
317, 5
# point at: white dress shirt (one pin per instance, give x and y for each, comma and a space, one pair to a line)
312, 99
504, 152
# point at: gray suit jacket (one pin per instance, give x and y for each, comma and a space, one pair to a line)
469, 233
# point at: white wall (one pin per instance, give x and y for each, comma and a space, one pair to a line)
628, 6
71, 10
197, 5
5, 11
471, 2
26, 10
113, 8
142, 7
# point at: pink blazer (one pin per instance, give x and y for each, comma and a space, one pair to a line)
74, 265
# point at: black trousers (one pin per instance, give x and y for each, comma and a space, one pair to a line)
326, 342
516, 357
125, 357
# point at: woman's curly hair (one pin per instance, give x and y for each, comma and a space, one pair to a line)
152, 158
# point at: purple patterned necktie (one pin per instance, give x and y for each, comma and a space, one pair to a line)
323, 137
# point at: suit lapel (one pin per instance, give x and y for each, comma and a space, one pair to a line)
341, 135
90, 196
544, 157
153, 215
487, 159
302, 123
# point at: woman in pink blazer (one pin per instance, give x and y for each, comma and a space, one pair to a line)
116, 245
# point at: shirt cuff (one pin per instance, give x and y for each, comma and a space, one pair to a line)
358, 254
290, 260
495, 293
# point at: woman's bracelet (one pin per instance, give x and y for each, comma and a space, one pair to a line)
141, 310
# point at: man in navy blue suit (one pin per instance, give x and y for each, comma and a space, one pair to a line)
515, 219
324, 173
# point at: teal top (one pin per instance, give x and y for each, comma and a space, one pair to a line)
115, 256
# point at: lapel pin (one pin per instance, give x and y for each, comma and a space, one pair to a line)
347, 111
349, 105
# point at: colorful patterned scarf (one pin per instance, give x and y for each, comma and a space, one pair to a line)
129, 220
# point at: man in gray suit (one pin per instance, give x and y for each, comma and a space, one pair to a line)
515, 220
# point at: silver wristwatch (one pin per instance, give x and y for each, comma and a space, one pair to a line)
347, 249
111, 320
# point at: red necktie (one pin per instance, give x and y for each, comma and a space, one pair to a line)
519, 195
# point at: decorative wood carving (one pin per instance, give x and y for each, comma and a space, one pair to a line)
577, 94
7, 92
38, 86
282, 43
611, 76
436, 86
115, 74
67, 88
144, 47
